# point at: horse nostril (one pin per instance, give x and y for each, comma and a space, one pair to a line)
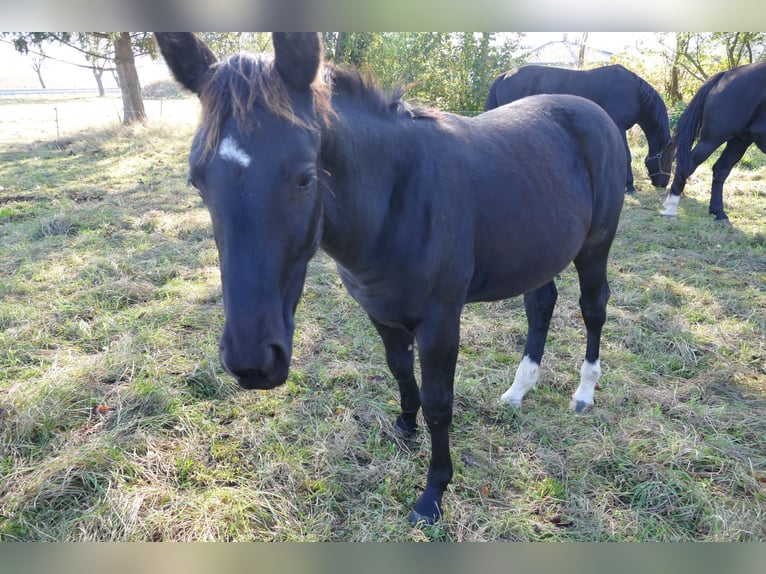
277, 359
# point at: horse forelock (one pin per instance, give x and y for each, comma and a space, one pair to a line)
236, 85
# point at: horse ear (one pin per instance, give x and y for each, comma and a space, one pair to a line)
297, 56
187, 57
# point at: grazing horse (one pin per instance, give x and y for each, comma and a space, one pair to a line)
422, 211
626, 97
729, 108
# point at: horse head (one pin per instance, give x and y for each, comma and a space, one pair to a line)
659, 165
254, 162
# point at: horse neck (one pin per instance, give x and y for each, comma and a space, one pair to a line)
650, 120
363, 158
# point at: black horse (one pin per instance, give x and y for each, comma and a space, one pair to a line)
729, 108
422, 211
626, 97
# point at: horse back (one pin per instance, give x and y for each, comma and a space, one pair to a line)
736, 103
555, 185
613, 87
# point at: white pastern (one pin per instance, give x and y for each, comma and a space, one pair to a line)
525, 379
671, 205
590, 374
231, 151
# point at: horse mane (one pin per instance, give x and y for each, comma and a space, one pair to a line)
690, 122
349, 82
654, 103
234, 85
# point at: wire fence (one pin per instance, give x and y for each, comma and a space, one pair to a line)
53, 116
70, 111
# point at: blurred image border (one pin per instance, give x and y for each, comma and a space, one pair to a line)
397, 15
371, 558
391, 15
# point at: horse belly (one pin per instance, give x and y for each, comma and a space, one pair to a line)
502, 281
517, 259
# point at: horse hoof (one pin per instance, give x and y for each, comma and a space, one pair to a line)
580, 407
420, 520
723, 220
515, 403
668, 215
404, 430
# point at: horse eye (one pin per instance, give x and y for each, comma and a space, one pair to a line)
305, 181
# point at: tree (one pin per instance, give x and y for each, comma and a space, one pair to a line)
583, 47
37, 61
452, 71
99, 52
224, 44
693, 57
132, 103
348, 47
103, 51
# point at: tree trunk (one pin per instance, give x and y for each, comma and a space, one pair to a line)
581, 55
674, 90
340, 48
97, 73
133, 105
37, 64
40, 77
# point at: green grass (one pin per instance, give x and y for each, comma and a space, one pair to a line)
117, 423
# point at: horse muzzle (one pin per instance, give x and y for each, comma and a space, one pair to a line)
263, 367
660, 180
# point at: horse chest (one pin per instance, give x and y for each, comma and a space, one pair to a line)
396, 299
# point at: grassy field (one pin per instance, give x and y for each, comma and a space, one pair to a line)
117, 422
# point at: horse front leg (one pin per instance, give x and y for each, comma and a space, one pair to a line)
539, 305
438, 340
629, 184
400, 357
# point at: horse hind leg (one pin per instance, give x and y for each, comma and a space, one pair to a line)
539, 305
594, 295
700, 153
400, 357
731, 154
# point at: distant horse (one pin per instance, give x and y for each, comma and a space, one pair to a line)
626, 97
729, 108
422, 211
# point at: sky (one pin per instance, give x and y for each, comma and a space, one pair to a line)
18, 72
608, 41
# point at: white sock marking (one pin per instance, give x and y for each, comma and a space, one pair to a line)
671, 205
231, 151
525, 379
590, 374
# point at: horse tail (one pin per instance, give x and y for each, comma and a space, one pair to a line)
689, 124
492, 96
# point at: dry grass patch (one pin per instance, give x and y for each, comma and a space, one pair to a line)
117, 423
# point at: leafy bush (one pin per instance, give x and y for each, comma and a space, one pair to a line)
161, 89
674, 114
